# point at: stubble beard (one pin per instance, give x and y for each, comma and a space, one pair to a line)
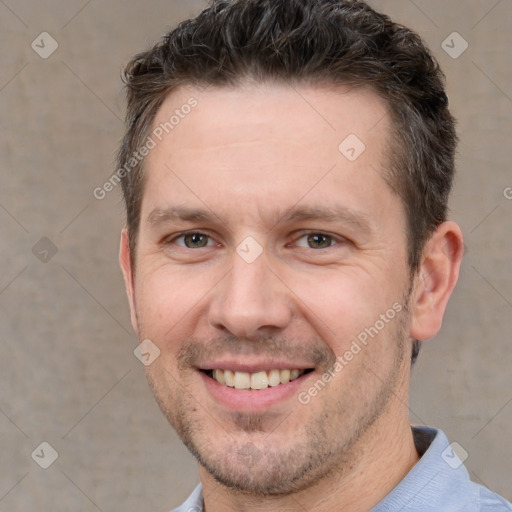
258, 461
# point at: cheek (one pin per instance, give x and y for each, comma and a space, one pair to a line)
344, 304
167, 300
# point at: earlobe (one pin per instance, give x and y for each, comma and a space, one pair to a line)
435, 280
126, 268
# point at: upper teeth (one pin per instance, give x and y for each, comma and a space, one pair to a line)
258, 380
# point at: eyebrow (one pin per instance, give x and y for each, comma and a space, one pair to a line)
330, 214
180, 213
358, 220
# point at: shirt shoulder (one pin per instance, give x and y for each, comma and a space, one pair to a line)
439, 482
194, 502
492, 502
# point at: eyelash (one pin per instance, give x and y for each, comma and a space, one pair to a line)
335, 240
174, 238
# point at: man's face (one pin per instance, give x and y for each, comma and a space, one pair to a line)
265, 249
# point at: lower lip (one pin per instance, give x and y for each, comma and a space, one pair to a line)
253, 400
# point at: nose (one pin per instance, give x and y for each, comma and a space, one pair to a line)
250, 301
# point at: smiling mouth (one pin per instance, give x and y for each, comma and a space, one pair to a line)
255, 381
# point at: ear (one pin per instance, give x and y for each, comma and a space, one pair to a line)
435, 280
128, 274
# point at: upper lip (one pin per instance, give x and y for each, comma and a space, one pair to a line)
254, 366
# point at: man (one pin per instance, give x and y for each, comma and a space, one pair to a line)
286, 170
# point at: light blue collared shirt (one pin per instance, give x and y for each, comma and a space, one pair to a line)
439, 482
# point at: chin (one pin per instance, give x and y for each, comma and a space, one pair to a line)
250, 471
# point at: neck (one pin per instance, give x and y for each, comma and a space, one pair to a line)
381, 459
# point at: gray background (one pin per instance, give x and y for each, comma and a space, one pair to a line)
68, 375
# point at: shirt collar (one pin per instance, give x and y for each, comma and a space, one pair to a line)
439, 481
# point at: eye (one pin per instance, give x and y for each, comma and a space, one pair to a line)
316, 241
193, 240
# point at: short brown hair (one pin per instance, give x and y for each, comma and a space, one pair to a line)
307, 42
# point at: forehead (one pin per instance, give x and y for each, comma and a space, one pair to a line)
271, 111
275, 140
